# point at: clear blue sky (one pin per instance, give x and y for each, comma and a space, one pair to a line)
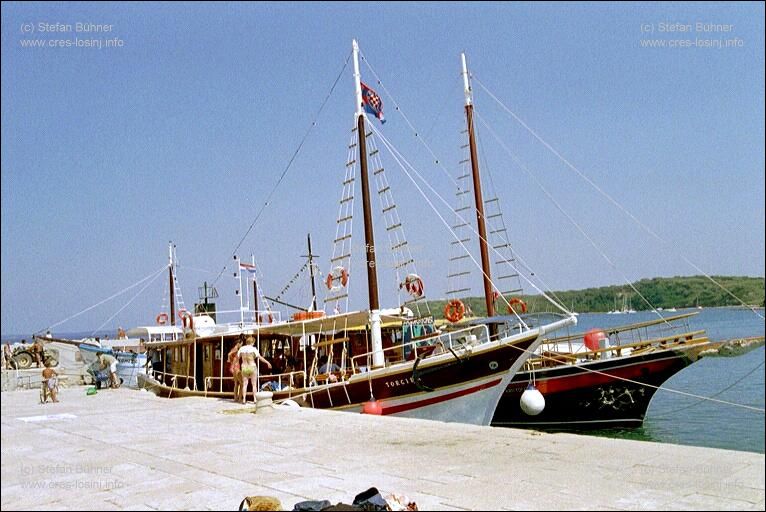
180, 133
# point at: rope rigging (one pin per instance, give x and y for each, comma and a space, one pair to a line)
151, 276
611, 199
287, 167
438, 162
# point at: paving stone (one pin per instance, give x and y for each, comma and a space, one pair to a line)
207, 454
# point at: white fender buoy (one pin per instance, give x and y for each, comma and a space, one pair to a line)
532, 401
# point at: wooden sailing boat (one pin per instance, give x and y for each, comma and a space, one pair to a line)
603, 378
456, 376
588, 380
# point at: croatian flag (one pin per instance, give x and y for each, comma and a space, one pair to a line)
372, 102
247, 266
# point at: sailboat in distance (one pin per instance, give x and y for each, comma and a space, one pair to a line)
389, 361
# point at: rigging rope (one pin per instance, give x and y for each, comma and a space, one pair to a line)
152, 276
407, 120
127, 303
439, 163
569, 217
399, 159
719, 393
287, 168
612, 200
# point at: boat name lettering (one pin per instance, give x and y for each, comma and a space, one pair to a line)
399, 382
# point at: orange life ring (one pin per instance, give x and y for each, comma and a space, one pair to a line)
454, 310
162, 319
343, 277
187, 319
331, 277
307, 315
513, 301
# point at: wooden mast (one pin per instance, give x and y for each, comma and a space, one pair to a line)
310, 256
369, 237
172, 288
255, 293
376, 337
485, 266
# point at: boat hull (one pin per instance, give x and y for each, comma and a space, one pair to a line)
576, 398
463, 388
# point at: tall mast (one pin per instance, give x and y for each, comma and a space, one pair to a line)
369, 237
376, 337
172, 287
477, 194
311, 273
255, 291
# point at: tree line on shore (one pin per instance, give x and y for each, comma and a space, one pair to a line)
661, 292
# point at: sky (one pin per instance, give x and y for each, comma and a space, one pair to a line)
179, 126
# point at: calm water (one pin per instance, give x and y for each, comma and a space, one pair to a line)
678, 419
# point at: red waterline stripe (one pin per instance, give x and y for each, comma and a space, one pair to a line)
443, 398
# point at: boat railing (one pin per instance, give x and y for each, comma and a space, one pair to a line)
425, 347
253, 319
554, 357
173, 380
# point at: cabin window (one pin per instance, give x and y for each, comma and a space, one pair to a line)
206, 353
155, 337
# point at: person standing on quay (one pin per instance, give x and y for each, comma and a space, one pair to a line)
249, 356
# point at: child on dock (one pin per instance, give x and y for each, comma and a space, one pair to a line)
50, 382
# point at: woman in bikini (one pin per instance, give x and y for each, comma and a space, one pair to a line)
250, 356
236, 373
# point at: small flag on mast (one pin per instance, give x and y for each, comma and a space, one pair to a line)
247, 266
372, 102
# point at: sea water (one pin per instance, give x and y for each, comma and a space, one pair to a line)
681, 419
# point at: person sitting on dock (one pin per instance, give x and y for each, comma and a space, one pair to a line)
109, 362
249, 355
50, 382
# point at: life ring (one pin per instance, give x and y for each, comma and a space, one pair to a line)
513, 301
454, 310
337, 274
307, 315
187, 319
162, 319
414, 285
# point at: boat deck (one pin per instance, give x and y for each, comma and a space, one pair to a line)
127, 449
